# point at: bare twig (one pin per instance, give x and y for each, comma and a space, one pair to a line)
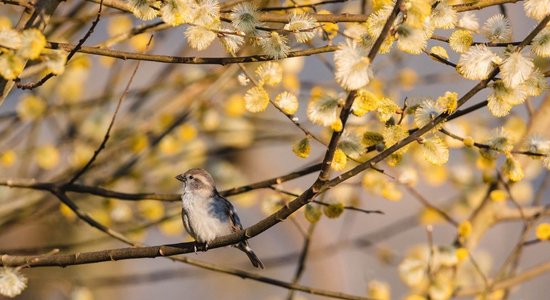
186, 60
311, 5
489, 147
510, 282
73, 51
107, 134
302, 259
427, 204
488, 44
352, 208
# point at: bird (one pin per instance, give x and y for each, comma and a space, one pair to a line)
207, 215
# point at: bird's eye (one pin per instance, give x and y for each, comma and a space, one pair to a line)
191, 177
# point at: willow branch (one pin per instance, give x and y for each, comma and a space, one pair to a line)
436, 121
311, 5
302, 259
488, 44
185, 59
267, 17
102, 192
268, 222
272, 281
157, 251
427, 204
347, 207
37, 18
440, 59
510, 282
461, 112
294, 120
346, 110
477, 5
88, 219
26, 4
263, 17
489, 147
385, 30
333, 143
69, 56
110, 127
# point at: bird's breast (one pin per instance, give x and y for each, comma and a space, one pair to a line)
204, 224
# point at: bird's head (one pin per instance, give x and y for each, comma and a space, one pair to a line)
197, 181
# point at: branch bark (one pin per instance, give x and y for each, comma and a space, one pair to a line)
184, 59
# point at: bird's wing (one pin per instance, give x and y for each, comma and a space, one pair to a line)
237, 226
185, 219
232, 213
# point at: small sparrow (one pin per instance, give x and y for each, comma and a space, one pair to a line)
207, 215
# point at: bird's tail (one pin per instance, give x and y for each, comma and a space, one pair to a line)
256, 262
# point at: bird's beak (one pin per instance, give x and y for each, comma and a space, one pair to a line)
180, 177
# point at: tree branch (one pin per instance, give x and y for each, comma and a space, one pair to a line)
510, 282
110, 127
183, 59
69, 56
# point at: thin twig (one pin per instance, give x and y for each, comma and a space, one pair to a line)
488, 44
537, 199
302, 259
510, 282
440, 59
328, 204
311, 5
427, 204
72, 52
352, 208
293, 119
186, 60
29, 6
113, 118
489, 147
87, 218
428, 127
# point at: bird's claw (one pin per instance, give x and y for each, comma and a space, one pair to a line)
204, 247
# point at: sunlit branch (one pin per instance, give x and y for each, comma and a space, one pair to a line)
302, 259
509, 282
275, 218
110, 127
36, 18
440, 59
489, 147
488, 44
320, 202
185, 60
159, 251
269, 280
72, 52
181, 104
351, 208
295, 6
293, 119
429, 205
86, 217
123, 6
480, 4
26, 4
264, 17
439, 119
